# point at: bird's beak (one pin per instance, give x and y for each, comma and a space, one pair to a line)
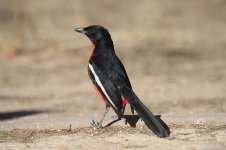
80, 30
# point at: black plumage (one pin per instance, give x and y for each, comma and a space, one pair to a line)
111, 80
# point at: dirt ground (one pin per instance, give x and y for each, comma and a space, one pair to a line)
174, 54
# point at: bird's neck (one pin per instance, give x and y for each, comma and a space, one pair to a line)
103, 47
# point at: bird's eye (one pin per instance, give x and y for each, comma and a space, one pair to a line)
91, 32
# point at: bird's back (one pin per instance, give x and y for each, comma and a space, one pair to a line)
109, 68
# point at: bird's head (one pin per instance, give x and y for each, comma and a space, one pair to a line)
95, 33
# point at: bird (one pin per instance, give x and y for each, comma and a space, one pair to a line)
112, 83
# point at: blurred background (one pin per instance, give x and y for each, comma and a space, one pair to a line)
174, 52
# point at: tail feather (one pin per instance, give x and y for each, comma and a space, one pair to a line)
156, 125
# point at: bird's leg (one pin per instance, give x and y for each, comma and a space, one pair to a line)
105, 113
123, 109
132, 109
117, 119
99, 124
120, 115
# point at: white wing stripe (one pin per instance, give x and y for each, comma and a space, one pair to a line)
100, 85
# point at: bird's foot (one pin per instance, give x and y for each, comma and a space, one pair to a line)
96, 124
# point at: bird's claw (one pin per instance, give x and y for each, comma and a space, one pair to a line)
96, 124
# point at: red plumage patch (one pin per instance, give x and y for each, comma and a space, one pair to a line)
98, 92
92, 42
93, 46
124, 100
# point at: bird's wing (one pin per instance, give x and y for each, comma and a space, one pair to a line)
104, 88
91, 76
123, 73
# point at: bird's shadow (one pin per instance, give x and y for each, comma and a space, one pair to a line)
17, 114
133, 119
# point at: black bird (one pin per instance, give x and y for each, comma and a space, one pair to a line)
111, 82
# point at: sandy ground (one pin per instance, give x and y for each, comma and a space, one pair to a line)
38, 106
190, 136
174, 53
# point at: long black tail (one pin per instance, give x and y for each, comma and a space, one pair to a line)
156, 125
